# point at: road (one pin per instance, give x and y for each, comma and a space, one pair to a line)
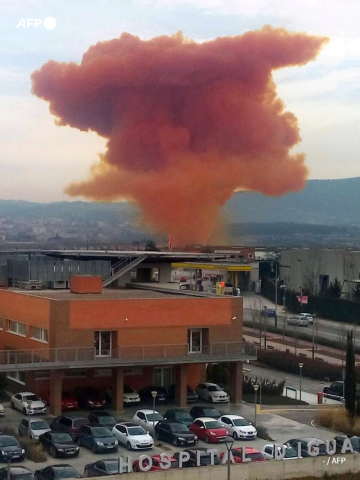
323, 328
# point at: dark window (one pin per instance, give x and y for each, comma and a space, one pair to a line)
100, 465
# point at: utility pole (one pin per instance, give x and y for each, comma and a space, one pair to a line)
276, 291
301, 281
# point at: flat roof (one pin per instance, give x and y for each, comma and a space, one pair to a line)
107, 294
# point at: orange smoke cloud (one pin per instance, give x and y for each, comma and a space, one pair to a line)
187, 123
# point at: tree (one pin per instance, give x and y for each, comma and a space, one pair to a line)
356, 291
350, 377
334, 290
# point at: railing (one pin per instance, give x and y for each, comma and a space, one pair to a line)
121, 267
123, 355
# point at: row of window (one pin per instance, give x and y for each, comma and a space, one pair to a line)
19, 328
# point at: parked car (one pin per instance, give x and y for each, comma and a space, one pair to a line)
238, 427
200, 411
161, 396
202, 453
209, 430
103, 419
252, 453
133, 436
54, 472
176, 433
130, 396
68, 402
59, 444
16, 473
156, 460
298, 321
335, 390
90, 398
305, 445
2, 411
269, 452
354, 440
70, 424
268, 312
191, 395
181, 416
33, 428
309, 316
212, 393
20, 402
102, 468
147, 419
9, 446
98, 439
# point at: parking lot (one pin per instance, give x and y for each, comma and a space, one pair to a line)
280, 429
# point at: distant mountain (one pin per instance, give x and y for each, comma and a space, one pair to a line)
322, 202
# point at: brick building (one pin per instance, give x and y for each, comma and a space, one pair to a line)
54, 340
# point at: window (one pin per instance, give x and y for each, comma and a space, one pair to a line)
162, 376
1, 323
103, 343
39, 334
18, 376
195, 340
76, 372
102, 372
16, 327
39, 375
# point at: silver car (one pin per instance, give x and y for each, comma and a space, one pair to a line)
299, 321
34, 427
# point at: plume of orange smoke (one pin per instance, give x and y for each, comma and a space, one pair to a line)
187, 123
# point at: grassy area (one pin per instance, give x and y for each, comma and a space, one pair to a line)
339, 421
273, 400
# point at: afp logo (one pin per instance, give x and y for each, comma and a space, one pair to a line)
49, 23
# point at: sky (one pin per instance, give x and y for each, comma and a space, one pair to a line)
38, 159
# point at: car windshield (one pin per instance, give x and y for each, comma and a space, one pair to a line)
8, 442
39, 425
254, 456
210, 412
240, 422
61, 438
153, 417
214, 388
32, 398
128, 389
213, 424
112, 467
290, 453
24, 476
81, 421
66, 472
101, 432
183, 416
133, 431
179, 428
106, 420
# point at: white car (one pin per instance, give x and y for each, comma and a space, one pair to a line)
28, 403
308, 316
147, 419
299, 321
2, 410
133, 436
34, 428
268, 452
238, 427
130, 396
212, 393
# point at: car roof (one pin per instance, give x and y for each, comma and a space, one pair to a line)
206, 419
9, 436
209, 383
177, 410
128, 424
73, 415
26, 393
36, 419
102, 414
248, 450
18, 469
146, 411
61, 465
232, 417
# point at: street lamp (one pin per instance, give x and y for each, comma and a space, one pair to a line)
301, 281
300, 366
256, 387
229, 442
29, 403
265, 310
153, 394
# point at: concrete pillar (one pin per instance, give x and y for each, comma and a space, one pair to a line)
117, 399
55, 391
181, 385
165, 273
236, 382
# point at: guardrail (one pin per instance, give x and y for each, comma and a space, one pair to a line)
123, 355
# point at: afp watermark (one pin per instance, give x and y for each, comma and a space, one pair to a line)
49, 23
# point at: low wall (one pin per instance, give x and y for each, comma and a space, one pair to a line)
269, 470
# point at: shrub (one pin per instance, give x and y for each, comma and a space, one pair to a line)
267, 387
338, 420
34, 451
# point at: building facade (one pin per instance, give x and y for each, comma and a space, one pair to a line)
57, 340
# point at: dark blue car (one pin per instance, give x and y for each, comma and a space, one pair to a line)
10, 448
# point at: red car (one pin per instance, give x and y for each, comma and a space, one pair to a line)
155, 465
68, 402
209, 430
252, 453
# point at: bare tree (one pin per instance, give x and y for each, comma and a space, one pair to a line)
255, 306
312, 267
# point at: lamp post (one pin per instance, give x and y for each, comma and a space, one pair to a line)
301, 281
229, 442
29, 403
265, 310
256, 387
153, 394
276, 291
300, 366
